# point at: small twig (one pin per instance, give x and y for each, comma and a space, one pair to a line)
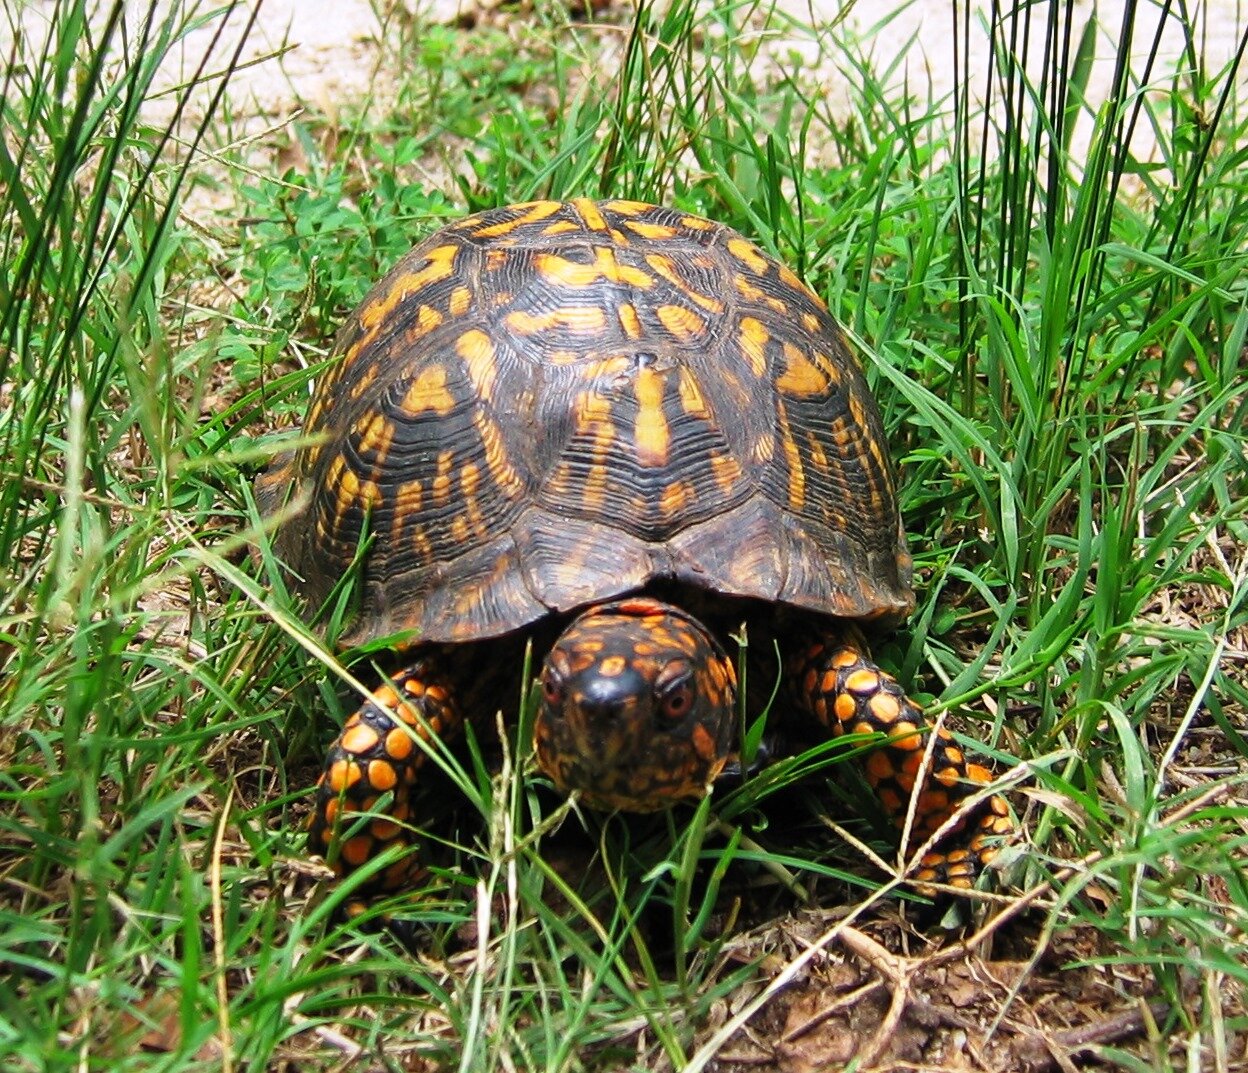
1055, 1050
899, 971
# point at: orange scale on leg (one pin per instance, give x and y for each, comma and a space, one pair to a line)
384, 830
885, 707
355, 851
359, 739
343, 774
863, 682
879, 767
906, 736
978, 773
382, 776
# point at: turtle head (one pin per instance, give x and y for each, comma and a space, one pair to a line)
637, 707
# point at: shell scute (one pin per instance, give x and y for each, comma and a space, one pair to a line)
552, 404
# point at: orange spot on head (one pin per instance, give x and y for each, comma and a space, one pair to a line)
703, 743
612, 666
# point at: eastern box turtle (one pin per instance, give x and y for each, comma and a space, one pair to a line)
586, 423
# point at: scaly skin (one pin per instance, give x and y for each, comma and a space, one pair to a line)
638, 713
846, 693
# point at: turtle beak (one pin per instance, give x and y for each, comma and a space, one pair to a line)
602, 715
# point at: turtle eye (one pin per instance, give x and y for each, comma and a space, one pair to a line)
553, 688
676, 698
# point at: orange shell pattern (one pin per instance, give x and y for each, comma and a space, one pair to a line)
551, 404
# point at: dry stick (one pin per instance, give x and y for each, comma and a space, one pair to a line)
1063, 874
900, 971
1040, 1053
708, 1050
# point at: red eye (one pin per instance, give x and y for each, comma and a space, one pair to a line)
677, 699
552, 688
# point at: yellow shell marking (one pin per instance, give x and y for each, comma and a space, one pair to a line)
560, 227
817, 454
574, 274
441, 264
681, 322
496, 460
649, 230
461, 300
533, 212
787, 275
442, 479
675, 498
754, 338
797, 476
407, 499
652, 434
696, 223
726, 471
691, 400
666, 268
801, 376
478, 352
748, 254
353, 492
360, 386
628, 208
428, 392
588, 211
757, 294
629, 321
584, 319
427, 318
810, 322
376, 433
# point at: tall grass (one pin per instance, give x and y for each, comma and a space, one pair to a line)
1057, 336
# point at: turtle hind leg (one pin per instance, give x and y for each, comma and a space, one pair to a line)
377, 754
848, 694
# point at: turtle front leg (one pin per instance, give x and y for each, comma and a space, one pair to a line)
847, 693
377, 754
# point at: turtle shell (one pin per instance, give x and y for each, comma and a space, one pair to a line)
551, 404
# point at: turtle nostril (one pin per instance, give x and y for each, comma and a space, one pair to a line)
604, 700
